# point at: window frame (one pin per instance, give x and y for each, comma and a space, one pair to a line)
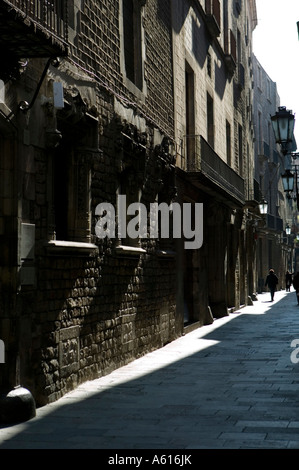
137, 86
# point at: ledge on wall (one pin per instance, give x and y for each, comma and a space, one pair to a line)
58, 247
124, 250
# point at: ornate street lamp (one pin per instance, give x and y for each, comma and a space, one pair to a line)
263, 206
288, 182
288, 229
283, 126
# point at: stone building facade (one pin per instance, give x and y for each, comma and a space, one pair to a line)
75, 306
111, 104
214, 129
274, 246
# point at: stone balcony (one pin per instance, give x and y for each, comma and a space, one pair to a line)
205, 168
31, 29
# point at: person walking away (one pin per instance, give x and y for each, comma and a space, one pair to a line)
271, 282
288, 281
296, 286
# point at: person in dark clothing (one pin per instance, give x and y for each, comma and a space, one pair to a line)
271, 282
288, 281
296, 285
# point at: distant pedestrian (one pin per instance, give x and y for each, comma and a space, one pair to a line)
296, 286
271, 282
288, 281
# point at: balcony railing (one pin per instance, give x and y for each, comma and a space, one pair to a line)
49, 14
203, 160
33, 28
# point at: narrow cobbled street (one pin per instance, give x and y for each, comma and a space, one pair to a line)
233, 385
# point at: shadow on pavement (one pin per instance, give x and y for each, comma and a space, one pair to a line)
227, 386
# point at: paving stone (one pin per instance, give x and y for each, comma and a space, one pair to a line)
240, 393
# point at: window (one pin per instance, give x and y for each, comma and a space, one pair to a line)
129, 195
132, 41
259, 77
233, 46
61, 194
71, 195
213, 16
240, 132
209, 64
228, 144
239, 55
72, 158
270, 135
190, 115
260, 134
210, 120
238, 6
268, 90
131, 212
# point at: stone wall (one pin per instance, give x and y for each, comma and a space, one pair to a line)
91, 316
92, 309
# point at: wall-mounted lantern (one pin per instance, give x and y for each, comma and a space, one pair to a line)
288, 180
283, 126
263, 206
